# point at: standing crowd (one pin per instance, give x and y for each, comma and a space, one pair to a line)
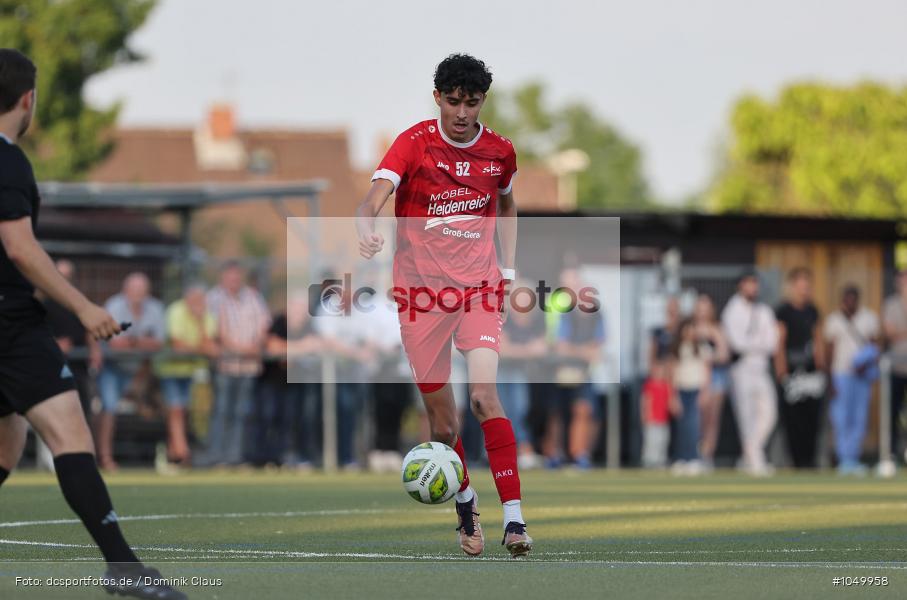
776, 365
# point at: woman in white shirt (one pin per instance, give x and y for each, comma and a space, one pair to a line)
850, 333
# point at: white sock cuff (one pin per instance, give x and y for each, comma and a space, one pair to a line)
466, 495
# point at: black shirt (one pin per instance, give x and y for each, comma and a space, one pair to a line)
800, 323
64, 324
275, 371
18, 198
531, 331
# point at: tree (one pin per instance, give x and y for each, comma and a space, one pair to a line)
614, 177
70, 41
818, 149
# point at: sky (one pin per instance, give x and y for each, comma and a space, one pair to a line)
665, 74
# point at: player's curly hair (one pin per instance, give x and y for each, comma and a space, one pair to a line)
464, 72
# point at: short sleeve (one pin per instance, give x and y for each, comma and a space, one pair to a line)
830, 331
158, 322
399, 160
505, 183
17, 184
14, 204
173, 322
872, 324
564, 329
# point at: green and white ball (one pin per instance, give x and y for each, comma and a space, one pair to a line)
432, 473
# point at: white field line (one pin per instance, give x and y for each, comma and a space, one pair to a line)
177, 516
215, 553
611, 509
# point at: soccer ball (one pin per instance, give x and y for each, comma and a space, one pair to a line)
432, 473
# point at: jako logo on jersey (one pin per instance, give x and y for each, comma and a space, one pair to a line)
506, 473
441, 165
65, 373
487, 338
492, 169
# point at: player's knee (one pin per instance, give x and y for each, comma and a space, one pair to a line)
446, 434
13, 432
484, 403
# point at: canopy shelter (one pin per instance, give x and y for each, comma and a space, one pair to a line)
182, 199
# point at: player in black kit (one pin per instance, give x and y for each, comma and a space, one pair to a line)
35, 381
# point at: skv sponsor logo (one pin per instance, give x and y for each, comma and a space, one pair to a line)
492, 169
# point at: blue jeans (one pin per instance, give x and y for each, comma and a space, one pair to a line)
514, 395
688, 426
849, 411
112, 382
349, 403
177, 391
232, 398
282, 422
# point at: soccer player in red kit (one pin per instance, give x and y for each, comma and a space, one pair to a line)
452, 177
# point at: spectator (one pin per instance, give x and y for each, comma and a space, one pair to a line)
711, 340
347, 338
690, 376
655, 401
191, 328
752, 335
800, 368
895, 323
663, 336
134, 305
393, 392
242, 325
580, 338
283, 426
850, 333
522, 345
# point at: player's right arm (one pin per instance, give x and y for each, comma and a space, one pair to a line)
35, 265
370, 241
394, 169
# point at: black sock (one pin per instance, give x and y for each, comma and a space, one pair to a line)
3, 475
87, 495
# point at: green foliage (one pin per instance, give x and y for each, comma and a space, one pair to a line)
70, 41
614, 177
818, 149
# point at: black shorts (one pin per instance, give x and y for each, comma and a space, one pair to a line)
32, 367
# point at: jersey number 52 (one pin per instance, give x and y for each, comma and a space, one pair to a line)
463, 169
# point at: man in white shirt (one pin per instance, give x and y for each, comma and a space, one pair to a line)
752, 334
848, 331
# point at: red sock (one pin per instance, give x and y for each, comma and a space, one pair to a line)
458, 448
500, 444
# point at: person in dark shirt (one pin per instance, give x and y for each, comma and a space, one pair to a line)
522, 346
282, 432
35, 381
799, 368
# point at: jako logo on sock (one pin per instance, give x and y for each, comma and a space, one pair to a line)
499, 474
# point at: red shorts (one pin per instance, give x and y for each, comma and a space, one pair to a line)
427, 340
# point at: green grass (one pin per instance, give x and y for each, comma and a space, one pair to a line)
598, 535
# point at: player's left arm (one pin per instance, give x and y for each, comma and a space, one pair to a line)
507, 229
507, 232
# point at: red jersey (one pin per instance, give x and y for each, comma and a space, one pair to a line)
446, 202
658, 392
